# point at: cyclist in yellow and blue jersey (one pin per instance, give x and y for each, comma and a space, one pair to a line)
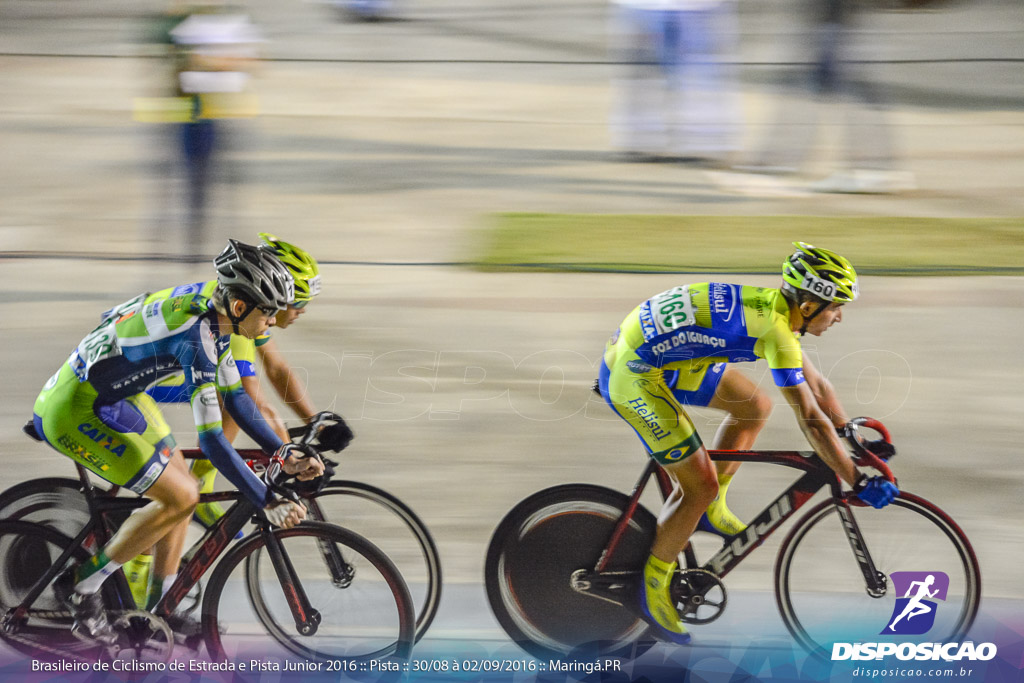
94, 409
674, 350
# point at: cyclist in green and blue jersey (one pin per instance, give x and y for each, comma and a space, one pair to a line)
94, 409
286, 382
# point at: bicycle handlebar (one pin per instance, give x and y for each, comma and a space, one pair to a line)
303, 437
870, 453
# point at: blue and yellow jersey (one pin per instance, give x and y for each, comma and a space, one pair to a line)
671, 351
708, 323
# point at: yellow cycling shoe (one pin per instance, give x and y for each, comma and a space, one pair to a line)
206, 513
136, 570
656, 606
719, 520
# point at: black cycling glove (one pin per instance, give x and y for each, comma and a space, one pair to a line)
335, 437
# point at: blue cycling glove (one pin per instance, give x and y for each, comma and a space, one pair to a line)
875, 491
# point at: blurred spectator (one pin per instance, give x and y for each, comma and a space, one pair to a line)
868, 163
678, 97
212, 49
365, 10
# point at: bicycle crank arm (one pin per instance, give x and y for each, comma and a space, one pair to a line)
615, 587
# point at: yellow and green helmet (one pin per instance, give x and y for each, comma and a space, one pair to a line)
820, 272
300, 264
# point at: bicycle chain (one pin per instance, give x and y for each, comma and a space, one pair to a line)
36, 645
63, 653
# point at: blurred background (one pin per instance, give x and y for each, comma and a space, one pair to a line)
396, 140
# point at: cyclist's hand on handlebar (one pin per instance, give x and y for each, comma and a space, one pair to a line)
336, 436
875, 491
326, 429
284, 513
304, 463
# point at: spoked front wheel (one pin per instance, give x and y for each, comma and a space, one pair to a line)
394, 528
368, 616
823, 595
533, 556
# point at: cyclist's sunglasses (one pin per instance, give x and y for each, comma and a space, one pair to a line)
301, 304
268, 311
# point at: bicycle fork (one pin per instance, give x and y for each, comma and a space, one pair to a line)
875, 582
307, 619
340, 570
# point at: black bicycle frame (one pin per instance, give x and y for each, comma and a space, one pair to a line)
197, 561
736, 548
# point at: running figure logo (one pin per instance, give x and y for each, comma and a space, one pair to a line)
914, 613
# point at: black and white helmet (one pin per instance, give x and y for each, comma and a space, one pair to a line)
254, 274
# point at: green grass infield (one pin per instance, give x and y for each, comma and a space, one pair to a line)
748, 244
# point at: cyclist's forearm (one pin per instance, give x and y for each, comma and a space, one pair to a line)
292, 391
273, 419
829, 403
250, 420
230, 464
251, 384
825, 395
823, 438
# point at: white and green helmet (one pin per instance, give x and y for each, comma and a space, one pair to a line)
820, 272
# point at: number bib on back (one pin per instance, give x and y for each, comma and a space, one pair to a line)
102, 342
667, 311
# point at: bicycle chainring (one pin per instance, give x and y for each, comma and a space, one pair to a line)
142, 636
699, 595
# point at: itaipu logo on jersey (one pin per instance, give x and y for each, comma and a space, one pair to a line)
917, 593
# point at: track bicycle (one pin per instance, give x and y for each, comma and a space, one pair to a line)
321, 591
563, 566
60, 503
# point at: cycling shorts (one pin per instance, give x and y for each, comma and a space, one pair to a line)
128, 443
651, 399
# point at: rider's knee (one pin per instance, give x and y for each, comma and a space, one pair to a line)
182, 500
190, 495
756, 410
706, 489
709, 491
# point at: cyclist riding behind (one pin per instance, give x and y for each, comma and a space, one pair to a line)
286, 382
94, 409
674, 349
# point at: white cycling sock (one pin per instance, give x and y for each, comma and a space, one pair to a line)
92, 583
168, 582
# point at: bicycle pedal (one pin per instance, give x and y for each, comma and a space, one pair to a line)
108, 641
192, 643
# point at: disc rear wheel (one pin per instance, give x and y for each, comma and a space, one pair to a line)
534, 554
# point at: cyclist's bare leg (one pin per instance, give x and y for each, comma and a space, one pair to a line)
168, 550
174, 496
695, 485
748, 408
